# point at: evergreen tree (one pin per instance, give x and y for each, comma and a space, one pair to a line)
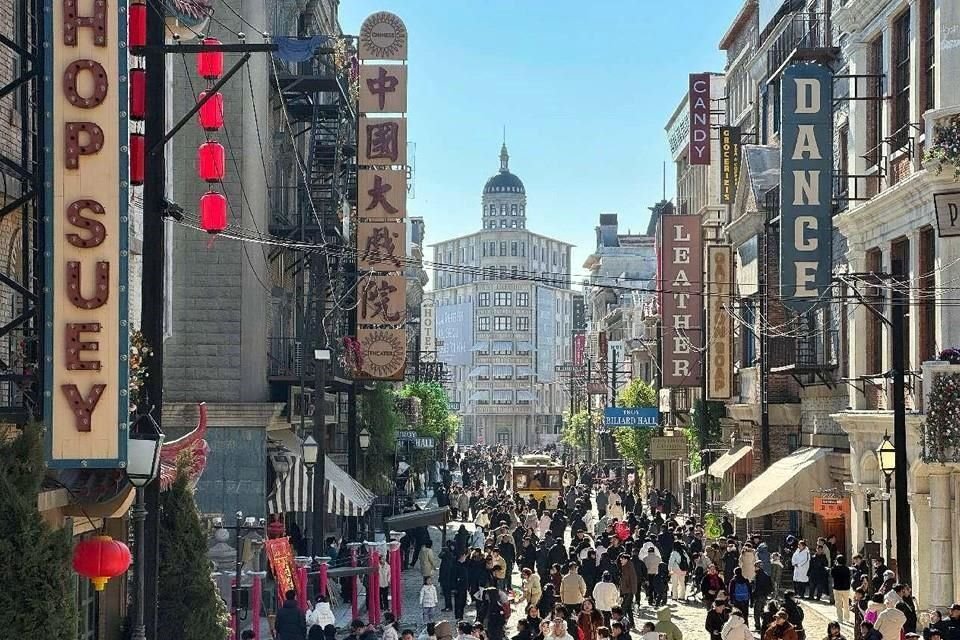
37, 600
190, 607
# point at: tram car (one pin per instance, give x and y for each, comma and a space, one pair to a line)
538, 476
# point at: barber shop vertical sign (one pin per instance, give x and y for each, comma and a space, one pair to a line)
806, 185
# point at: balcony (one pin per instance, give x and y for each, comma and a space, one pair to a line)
807, 37
878, 393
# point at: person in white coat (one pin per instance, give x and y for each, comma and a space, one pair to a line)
428, 599
320, 614
736, 627
890, 622
678, 574
801, 568
606, 596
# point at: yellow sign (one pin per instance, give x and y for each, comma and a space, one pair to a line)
87, 335
384, 353
383, 88
719, 322
382, 194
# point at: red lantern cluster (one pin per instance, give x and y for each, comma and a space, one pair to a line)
211, 159
137, 89
100, 559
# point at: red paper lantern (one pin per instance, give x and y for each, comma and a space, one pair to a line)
100, 559
137, 157
138, 94
211, 161
213, 212
211, 113
210, 63
137, 25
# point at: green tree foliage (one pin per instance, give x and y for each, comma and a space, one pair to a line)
634, 444
704, 428
37, 599
379, 416
435, 408
576, 428
190, 607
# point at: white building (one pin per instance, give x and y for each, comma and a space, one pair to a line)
504, 320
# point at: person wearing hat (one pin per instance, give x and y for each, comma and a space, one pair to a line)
951, 625
781, 629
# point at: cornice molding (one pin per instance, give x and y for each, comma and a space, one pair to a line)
857, 14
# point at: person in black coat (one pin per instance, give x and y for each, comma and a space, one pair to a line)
290, 623
460, 581
447, 561
716, 618
558, 553
762, 590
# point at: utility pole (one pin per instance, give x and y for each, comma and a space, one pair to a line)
764, 290
152, 293
898, 300
589, 412
613, 378
318, 286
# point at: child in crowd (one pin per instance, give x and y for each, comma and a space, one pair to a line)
661, 582
649, 632
428, 599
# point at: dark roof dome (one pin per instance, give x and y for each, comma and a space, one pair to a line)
504, 181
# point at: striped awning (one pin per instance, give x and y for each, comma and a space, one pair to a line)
483, 345
481, 371
291, 492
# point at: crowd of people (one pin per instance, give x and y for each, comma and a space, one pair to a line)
581, 567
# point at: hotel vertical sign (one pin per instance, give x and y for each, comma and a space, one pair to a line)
681, 299
806, 163
382, 197
699, 98
86, 338
719, 322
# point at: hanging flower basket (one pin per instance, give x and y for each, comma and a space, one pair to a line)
951, 355
352, 357
945, 148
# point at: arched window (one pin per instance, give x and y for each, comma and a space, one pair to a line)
513, 209
503, 209
493, 209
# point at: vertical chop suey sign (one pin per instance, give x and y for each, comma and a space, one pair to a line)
699, 149
86, 334
681, 299
805, 184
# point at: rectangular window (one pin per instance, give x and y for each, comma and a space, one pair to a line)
875, 105
775, 105
843, 183
502, 299
927, 310
874, 333
749, 340
523, 373
503, 248
928, 57
502, 323
503, 396
483, 372
523, 249
483, 299
900, 72
514, 249
493, 249
502, 348
502, 372
483, 323
523, 323
523, 299
484, 249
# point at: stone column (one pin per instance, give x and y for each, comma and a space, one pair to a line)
941, 539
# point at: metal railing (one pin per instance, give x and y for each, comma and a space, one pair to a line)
804, 30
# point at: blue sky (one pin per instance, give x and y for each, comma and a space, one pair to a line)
583, 88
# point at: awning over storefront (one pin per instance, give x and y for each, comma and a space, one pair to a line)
345, 496
698, 476
731, 460
788, 484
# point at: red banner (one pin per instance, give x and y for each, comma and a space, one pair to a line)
280, 555
831, 508
699, 98
579, 348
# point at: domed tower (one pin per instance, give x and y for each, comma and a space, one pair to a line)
504, 198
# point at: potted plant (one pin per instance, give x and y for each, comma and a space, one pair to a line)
945, 147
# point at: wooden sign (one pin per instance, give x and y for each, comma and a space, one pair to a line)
86, 408
384, 353
719, 322
383, 88
831, 508
382, 300
381, 246
383, 142
383, 36
382, 194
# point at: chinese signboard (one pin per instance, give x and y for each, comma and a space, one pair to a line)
830, 508
382, 198
645, 417
699, 153
729, 163
86, 406
806, 163
579, 348
668, 448
719, 322
681, 299
280, 555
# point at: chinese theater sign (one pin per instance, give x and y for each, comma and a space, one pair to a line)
382, 197
681, 299
719, 322
86, 336
806, 187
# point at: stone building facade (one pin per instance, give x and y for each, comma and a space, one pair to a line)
504, 306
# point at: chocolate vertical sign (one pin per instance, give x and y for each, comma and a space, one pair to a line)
86, 333
382, 197
681, 299
699, 99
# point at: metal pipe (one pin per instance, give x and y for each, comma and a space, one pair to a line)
139, 515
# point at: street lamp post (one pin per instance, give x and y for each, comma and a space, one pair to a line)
240, 597
887, 458
364, 441
143, 466
309, 452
